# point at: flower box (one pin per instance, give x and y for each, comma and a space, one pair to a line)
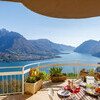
61, 78
32, 88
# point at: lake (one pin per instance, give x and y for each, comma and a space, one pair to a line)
71, 56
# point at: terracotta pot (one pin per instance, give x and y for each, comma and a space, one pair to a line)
31, 88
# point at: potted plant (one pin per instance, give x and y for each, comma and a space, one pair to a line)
93, 73
56, 75
34, 81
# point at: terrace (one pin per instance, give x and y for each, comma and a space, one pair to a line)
12, 79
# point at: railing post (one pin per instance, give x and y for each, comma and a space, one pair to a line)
23, 80
57, 63
38, 65
78, 69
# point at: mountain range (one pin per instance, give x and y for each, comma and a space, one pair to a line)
89, 47
13, 46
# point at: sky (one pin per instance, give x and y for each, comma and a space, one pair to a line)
16, 17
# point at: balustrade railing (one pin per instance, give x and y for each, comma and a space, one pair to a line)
12, 78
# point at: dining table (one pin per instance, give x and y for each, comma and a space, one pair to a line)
81, 95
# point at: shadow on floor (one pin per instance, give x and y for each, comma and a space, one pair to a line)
16, 97
46, 85
55, 86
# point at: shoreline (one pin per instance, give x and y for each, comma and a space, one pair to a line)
31, 59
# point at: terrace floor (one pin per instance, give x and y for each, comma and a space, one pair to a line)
42, 94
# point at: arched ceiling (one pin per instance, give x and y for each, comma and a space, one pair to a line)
63, 8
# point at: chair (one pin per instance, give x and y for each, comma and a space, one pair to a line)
98, 98
51, 93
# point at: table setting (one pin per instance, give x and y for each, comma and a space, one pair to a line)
75, 91
68, 90
93, 89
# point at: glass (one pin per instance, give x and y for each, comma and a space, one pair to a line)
73, 89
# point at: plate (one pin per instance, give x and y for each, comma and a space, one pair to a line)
83, 84
92, 92
64, 93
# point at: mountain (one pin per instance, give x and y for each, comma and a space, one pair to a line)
89, 47
46, 45
97, 54
13, 42
62, 47
14, 46
5, 57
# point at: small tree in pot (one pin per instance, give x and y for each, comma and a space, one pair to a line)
56, 75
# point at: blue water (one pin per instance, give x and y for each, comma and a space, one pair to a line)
71, 56
66, 69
